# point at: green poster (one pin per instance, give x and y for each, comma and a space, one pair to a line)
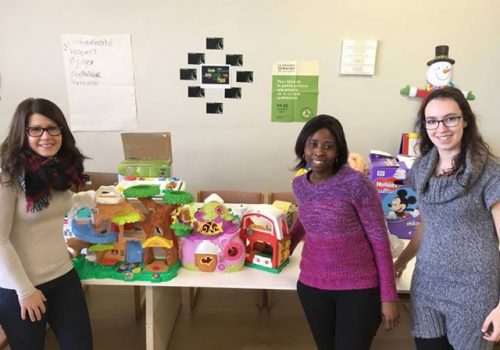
295, 91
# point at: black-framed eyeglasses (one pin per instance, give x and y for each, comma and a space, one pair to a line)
37, 131
449, 121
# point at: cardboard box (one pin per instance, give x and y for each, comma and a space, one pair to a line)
147, 145
386, 172
146, 155
399, 201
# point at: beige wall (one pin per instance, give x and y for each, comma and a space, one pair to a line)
242, 148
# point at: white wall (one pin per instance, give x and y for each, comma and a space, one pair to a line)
242, 148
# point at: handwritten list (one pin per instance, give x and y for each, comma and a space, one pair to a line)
100, 82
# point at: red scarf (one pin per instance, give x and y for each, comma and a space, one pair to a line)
44, 175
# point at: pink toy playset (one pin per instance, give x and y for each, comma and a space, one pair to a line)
214, 245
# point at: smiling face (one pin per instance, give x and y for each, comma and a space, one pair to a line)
397, 205
320, 153
440, 73
447, 139
44, 145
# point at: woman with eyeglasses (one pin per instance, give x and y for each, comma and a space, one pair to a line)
456, 283
346, 283
40, 165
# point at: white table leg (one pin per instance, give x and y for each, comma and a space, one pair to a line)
162, 307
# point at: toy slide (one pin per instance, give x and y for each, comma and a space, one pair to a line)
86, 233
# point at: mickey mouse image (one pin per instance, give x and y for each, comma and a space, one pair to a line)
399, 205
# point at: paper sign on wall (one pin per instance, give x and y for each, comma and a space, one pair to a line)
295, 91
100, 82
358, 57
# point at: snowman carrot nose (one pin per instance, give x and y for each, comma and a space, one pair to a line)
446, 70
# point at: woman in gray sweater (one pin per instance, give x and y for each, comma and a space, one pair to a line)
456, 282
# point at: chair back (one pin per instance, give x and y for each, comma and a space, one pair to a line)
230, 196
98, 179
281, 196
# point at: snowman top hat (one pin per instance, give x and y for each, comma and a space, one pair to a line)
441, 55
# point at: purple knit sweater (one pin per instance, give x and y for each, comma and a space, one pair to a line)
346, 242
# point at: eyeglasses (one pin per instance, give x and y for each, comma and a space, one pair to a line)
449, 121
323, 146
37, 131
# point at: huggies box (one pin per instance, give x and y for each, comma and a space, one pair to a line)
399, 201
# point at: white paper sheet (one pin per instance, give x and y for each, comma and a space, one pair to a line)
100, 82
358, 57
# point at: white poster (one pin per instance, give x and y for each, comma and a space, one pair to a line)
100, 82
358, 57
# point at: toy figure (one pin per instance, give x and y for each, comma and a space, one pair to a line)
399, 205
357, 162
439, 74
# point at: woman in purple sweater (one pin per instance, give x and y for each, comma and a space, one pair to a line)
346, 283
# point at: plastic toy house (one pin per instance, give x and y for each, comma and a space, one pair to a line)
160, 247
214, 244
130, 239
265, 231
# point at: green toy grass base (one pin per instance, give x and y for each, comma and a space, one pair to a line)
89, 270
142, 191
181, 230
268, 269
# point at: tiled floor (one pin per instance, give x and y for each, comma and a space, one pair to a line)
223, 319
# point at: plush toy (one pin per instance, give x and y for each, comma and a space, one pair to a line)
357, 162
439, 75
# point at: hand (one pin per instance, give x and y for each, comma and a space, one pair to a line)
399, 267
405, 90
390, 315
491, 325
34, 305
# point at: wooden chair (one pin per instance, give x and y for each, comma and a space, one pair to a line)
229, 196
281, 196
96, 180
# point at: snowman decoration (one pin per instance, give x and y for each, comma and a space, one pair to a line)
439, 74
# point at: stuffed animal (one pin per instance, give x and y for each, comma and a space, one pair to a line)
357, 162
439, 74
